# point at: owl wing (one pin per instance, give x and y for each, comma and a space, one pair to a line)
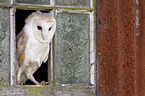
22, 39
46, 54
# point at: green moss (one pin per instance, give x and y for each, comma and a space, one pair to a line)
32, 90
36, 90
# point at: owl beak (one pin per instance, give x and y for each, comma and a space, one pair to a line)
42, 36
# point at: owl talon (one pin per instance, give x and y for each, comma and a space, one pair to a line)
22, 83
43, 83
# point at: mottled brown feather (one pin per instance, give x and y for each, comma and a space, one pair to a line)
21, 45
22, 57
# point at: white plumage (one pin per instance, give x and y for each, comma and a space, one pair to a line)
33, 44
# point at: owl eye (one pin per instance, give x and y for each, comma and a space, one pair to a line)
49, 29
39, 27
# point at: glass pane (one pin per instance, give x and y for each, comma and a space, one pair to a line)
4, 46
73, 2
39, 2
72, 48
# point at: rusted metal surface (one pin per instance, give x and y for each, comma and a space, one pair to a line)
116, 70
140, 35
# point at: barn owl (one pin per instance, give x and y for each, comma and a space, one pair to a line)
33, 44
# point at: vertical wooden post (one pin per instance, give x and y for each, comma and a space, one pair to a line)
117, 60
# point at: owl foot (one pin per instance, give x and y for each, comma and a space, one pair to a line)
44, 83
21, 83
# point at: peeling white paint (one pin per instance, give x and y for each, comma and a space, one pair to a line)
75, 11
92, 79
52, 2
51, 62
92, 51
62, 84
11, 2
91, 3
12, 47
0, 25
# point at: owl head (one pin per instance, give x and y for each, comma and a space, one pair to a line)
40, 26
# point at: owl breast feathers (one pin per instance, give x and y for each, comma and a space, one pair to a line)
33, 44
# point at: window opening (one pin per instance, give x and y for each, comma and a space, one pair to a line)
42, 73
